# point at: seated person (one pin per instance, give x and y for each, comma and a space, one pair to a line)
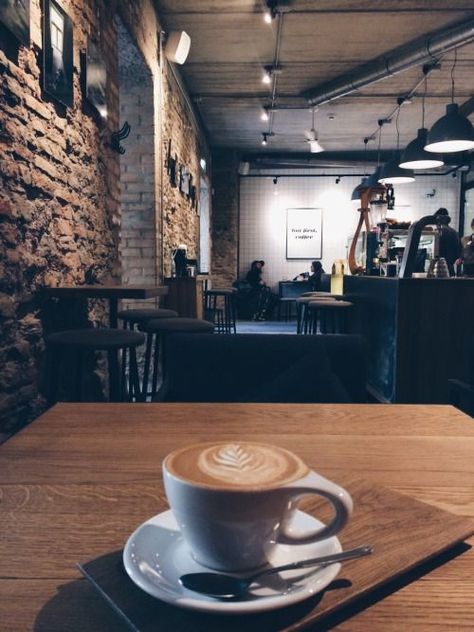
314, 279
266, 298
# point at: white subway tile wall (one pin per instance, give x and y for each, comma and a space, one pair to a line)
263, 207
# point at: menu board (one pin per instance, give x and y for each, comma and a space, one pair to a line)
304, 233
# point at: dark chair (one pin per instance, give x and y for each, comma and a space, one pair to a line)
219, 308
157, 330
75, 343
264, 367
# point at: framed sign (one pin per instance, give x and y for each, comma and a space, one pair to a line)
96, 78
304, 233
57, 53
15, 15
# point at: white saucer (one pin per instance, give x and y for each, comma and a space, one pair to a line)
155, 556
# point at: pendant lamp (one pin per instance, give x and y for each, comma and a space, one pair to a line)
453, 131
355, 197
392, 174
416, 157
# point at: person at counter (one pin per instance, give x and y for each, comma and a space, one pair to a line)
449, 242
467, 256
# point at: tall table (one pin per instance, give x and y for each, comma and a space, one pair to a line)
81, 478
113, 293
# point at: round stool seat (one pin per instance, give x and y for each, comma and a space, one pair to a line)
188, 325
305, 300
221, 292
138, 315
325, 304
98, 339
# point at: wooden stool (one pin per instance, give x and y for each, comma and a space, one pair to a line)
132, 317
80, 341
302, 312
285, 306
219, 308
155, 330
330, 315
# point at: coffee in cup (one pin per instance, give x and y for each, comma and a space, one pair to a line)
233, 501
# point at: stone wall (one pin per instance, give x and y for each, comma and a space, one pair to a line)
225, 217
60, 192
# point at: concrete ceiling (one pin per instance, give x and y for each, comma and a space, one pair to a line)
320, 40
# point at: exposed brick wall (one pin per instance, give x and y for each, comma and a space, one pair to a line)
225, 217
180, 220
60, 193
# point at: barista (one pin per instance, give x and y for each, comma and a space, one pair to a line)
467, 256
449, 242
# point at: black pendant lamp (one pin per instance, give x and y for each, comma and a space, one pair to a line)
453, 131
391, 172
416, 157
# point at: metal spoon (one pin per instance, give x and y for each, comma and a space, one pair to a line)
220, 585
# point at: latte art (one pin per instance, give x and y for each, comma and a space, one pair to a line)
236, 465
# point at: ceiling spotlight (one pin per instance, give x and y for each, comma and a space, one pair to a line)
264, 138
264, 115
331, 116
312, 138
275, 180
338, 179
267, 76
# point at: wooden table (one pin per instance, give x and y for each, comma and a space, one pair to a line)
113, 293
76, 482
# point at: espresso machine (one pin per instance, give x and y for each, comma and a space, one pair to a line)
408, 264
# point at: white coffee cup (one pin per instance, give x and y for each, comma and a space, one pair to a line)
233, 501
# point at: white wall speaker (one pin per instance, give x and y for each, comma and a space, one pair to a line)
177, 46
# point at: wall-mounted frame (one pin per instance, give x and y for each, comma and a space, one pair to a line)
96, 78
57, 53
15, 16
304, 233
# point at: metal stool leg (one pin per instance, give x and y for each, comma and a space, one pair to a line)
156, 357
146, 369
134, 391
114, 376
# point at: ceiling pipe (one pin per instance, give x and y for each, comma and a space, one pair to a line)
417, 52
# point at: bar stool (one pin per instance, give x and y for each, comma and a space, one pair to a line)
219, 308
330, 315
137, 317
132, 317
302, 313
285, 307
77, 342
156, 329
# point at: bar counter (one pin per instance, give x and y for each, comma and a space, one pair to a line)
418, 332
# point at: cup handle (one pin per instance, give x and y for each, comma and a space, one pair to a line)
338, 496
